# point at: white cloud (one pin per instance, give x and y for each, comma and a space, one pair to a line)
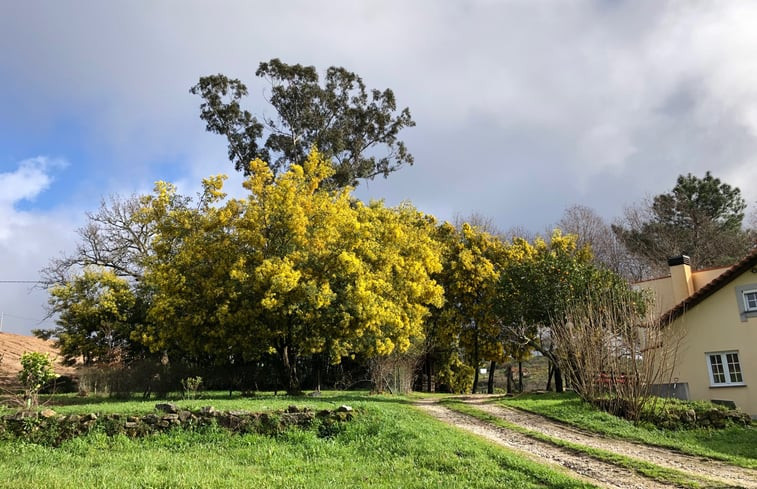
30, 178
28, 239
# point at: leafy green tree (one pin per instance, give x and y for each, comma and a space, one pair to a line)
700, 217
36, 371
339, 117
292, 270
466, 325
538, 282
109, 260
95, 317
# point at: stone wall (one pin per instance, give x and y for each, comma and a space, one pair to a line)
49, 427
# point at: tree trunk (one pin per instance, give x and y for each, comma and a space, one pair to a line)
558, 380
475, 362
429, 373
509, 374
317, 360
550, 373
289, 360
520, 376
490, 385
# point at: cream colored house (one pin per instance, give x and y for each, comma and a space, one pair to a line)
714, 315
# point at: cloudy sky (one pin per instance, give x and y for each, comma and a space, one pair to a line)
523, 108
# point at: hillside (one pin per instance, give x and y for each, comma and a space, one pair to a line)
12, 346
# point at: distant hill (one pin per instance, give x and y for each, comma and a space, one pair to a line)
12, 346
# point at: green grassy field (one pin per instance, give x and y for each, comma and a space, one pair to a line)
388, 445
735, 445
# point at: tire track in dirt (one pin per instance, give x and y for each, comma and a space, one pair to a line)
577, 465
699, 467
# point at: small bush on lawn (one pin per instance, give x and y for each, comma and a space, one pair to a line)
36, 371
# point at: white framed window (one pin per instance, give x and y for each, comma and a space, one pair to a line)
750, 300
724, 368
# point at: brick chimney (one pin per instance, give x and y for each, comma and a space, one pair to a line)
680, 278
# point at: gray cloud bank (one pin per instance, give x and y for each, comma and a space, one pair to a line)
522, 107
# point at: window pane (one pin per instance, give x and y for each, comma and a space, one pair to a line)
718, 374
734, 369
750, 300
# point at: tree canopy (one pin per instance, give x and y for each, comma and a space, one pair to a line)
95, 319
292, 269
607, 250
699, 217
540, 282
355, 128
466, 327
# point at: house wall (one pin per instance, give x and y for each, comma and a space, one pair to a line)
704, 277
661, 291
716, 325
662, 288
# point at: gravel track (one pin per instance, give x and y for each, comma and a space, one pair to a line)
584, 467
697, 466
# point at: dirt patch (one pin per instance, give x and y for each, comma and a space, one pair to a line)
12, 346
603, 474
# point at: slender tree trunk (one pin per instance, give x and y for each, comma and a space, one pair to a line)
289, 360
520, 376
317, 360
550, 373
475, 361
490, 385
558, 374
509, 374
429, 373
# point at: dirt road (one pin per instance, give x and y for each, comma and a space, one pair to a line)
603, 474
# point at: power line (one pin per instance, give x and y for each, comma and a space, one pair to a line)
38, 321
20, 282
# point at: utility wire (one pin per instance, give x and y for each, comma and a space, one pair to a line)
38, 321
20, 282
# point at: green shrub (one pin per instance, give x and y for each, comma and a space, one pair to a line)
673, 414
457, 376
36, 371
190, 386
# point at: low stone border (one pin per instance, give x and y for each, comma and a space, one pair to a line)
49, 427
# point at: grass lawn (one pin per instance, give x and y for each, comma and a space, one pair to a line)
735, 445
388, 445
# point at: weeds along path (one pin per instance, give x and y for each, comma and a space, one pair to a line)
579, 465
697, 466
